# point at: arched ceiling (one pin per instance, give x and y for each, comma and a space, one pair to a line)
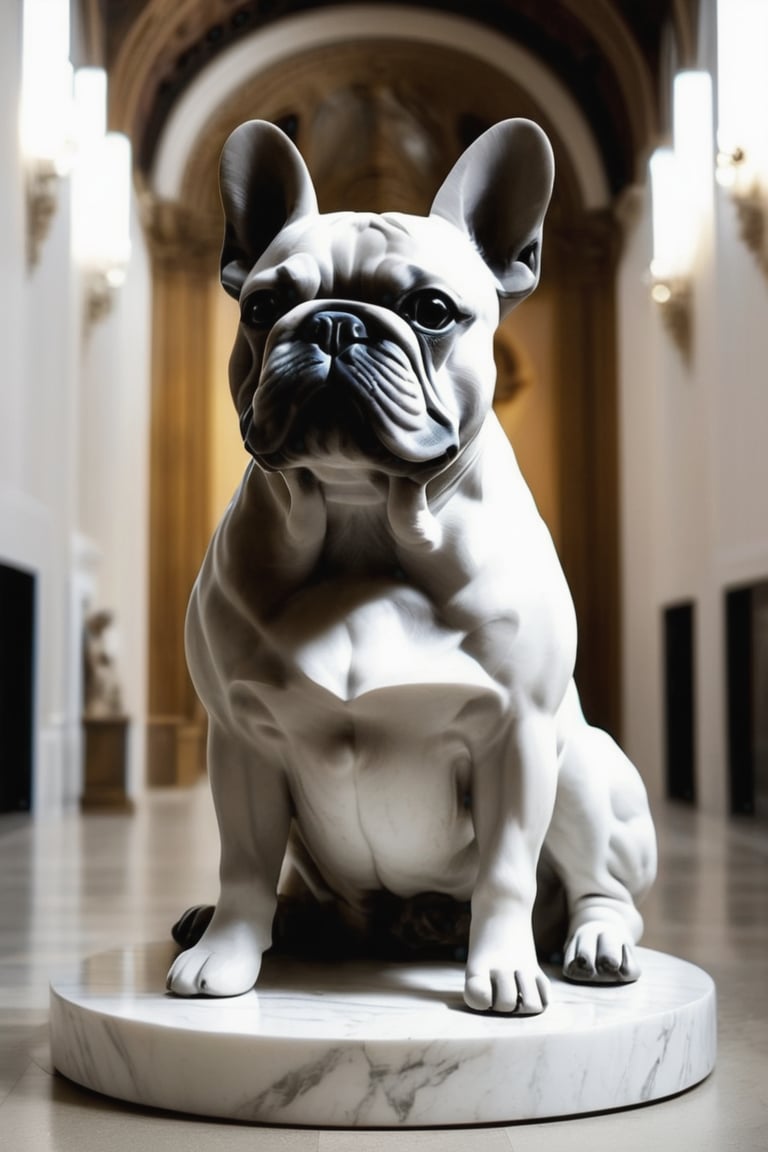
403, 113
395, 135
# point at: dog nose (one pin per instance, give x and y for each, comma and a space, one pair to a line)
333, 331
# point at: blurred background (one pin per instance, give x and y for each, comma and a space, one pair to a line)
632, 384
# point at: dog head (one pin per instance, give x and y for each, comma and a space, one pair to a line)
367, 339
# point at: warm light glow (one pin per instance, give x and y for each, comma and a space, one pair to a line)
672, 249
681, 179
46, 119
117, 160
101, 195
725, 172
682, 202
101, 227
694, 143
46, 101
45, 33
90, 105
742, 53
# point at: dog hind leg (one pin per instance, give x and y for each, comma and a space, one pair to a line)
602, 843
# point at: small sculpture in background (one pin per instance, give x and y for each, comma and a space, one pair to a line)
103, 696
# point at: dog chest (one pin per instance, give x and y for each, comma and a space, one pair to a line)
381, 720
382, 785
347, 638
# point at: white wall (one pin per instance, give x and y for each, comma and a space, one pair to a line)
73, 445
640, 345
694, 472
49, 475
11, 248
113, 479
35, 383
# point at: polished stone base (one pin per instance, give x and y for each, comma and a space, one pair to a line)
371, 1044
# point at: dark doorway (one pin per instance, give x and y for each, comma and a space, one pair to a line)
746, 619
17, 644
679, 702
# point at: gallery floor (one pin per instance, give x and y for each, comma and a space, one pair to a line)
76, 885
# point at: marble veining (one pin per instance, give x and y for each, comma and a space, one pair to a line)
365, 1044
72, 886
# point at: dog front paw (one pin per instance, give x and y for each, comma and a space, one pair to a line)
514, 991
601, 952
222, 964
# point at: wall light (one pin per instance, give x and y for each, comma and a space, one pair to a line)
101, 195
670, 266
742, 129
90, 108
681, 183
46, 129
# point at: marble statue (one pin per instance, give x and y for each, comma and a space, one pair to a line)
381, 631
102, 690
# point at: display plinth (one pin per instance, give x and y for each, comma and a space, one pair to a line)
378, 1045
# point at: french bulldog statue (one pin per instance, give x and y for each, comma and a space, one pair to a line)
381, 631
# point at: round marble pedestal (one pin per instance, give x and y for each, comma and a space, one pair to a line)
369, 1045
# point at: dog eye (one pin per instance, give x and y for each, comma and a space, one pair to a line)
261, 309
429, 310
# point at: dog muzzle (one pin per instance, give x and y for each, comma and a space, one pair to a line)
356, 384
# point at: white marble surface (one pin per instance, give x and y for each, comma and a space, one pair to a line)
381, 632
366, 1045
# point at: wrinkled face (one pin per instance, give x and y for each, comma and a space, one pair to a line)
365, 340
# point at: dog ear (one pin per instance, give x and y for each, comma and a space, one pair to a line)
497, 193
264, 185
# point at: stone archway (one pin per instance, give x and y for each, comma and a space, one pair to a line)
404, 111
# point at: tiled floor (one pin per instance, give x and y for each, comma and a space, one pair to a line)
70, 887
